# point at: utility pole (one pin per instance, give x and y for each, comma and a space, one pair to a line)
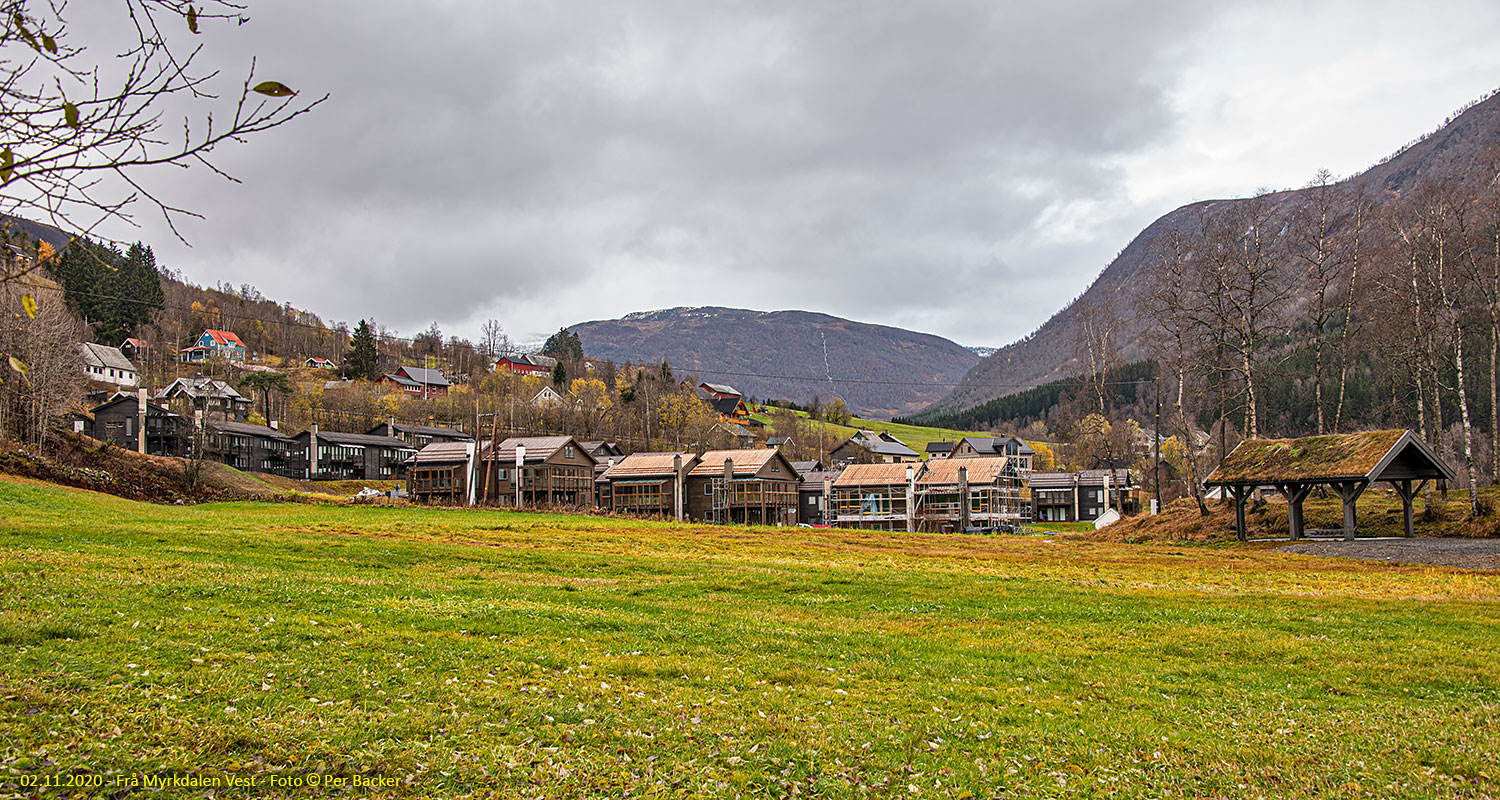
1157, 466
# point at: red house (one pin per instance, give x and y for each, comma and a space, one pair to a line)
418, 381
525, 365
718, 391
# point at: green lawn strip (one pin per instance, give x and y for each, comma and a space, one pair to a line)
916, 436
565, 656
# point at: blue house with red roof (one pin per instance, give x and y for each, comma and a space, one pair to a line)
214, 344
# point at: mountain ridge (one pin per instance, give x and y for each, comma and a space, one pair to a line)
1047, 353
878, 370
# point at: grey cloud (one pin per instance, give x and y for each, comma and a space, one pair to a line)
547, 163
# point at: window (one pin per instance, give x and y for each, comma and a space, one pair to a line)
568, 451
708, 489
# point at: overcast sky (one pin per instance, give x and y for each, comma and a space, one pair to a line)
959, 168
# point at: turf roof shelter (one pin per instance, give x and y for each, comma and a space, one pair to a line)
1347, 462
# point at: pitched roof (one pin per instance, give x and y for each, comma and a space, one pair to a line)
441, 453
426, 430
721, 388
602, 449
102, 355
422, 375
1335, 456
538, 448
807, 466
875, 474
746, 462
224, 338
982, 469
121, 397
995, 445
939, 447
1052, 480
200, 386
812, 481
882, 446
650, 465
360, 439
246, 429
401, 379
539, 360
726, 405
1095, 477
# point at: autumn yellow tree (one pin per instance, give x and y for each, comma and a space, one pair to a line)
1044, 459
685, 418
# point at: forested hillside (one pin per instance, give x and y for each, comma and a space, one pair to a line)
1454, 152
1344, 305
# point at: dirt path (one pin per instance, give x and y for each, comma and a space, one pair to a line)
1463, 553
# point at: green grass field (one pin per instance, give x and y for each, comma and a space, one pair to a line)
915, 436
496, 654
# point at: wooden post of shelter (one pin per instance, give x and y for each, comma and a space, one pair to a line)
1239, 493
1408, 494
1349, 492
1295, 493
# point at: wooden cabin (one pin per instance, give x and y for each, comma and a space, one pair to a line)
649, 483
753, 486
871, 496
439, 473
554, 471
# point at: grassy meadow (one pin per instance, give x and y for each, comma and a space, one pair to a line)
452, 653
915, 436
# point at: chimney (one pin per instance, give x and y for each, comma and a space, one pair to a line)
140, 433
963, 499
676, 485
312, 452
911, 500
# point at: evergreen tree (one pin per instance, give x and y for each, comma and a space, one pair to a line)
559, 374
114, 292
563, 346
362, 360
265, 383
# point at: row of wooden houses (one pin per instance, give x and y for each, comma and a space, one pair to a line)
749, 485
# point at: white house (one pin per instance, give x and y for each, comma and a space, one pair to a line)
107, 365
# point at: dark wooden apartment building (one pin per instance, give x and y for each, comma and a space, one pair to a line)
334, 456
254, 448
117, 422
1080, 496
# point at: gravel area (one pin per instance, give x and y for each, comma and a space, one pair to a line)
1463, 553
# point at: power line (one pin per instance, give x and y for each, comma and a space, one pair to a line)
732, 373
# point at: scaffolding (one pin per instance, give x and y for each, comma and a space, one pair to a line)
975, 494
718, 510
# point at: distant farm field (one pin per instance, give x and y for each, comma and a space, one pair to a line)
492, 654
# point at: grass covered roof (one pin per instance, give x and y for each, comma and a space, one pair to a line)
1333, 456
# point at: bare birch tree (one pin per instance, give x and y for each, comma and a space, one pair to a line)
1169, 302
1313, 243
